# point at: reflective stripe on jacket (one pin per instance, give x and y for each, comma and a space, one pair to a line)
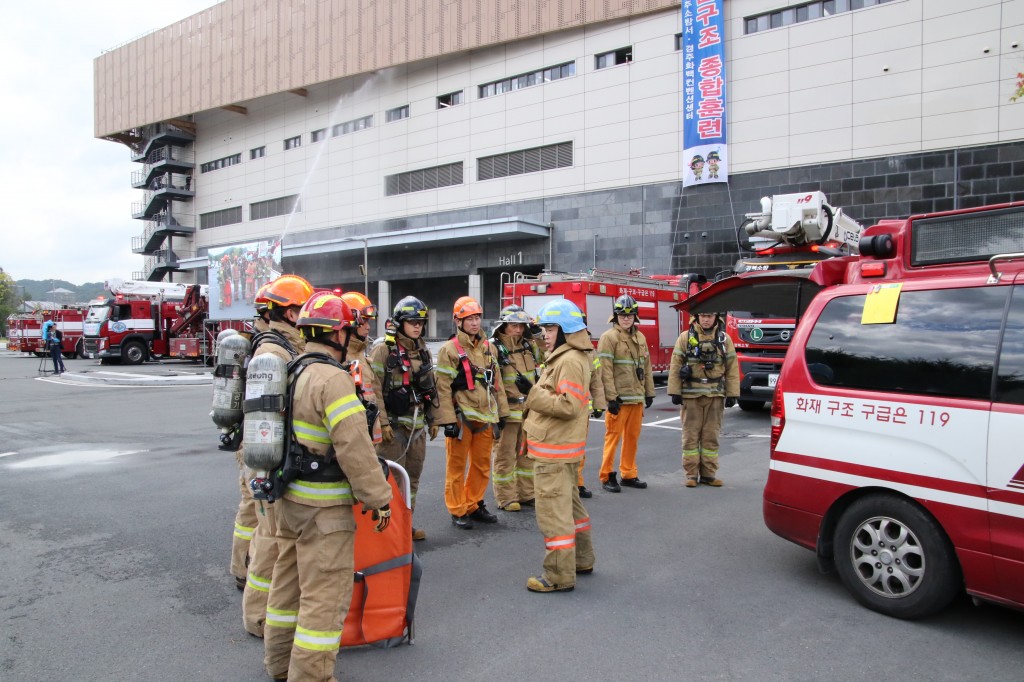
523, 359
722, 380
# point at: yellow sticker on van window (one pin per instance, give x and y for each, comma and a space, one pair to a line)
880, 304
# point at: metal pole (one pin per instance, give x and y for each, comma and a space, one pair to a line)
366, 267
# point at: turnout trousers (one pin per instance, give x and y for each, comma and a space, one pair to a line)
563, 521
467, 468
262, 557
311, 592
513, 470
411, 458
245, 526
623, 427
702, 422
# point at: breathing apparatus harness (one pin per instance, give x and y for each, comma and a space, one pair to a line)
466, 379
523, 382
706, 353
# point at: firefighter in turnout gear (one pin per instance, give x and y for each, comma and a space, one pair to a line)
558, 413
519, 358
598, 405
704, 377
364, 312
262, 321
628, 383
313, 576
285, 297
472, 409
404, 370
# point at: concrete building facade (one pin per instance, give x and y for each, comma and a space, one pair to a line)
545, 135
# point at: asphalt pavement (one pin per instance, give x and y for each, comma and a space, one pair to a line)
116, 514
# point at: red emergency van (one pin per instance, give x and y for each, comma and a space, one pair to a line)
894, 452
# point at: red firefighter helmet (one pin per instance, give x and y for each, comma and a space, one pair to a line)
326, 310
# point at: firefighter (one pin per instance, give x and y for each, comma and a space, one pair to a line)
598, 405
262, 321
285, 297
404, 370
359, 363
703, 375
313, 575
519, 358
472, 409
628, 383
558, 412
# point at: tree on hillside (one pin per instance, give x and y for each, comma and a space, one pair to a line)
9, 299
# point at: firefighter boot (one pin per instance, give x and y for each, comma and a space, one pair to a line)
482, 515
611, 485
585, 492
540, 584
419, 534
634, 483
463, 522
711, 481
691, 483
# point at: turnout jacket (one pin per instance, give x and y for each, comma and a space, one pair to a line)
485, 403
558, 410
326, 412
414, 349
524, 357
722, 380
621, 352
371, 386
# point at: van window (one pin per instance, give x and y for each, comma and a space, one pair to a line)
1010, 384
942, 343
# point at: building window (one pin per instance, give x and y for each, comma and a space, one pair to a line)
293, 142
623, 55
352, 126
274, 207
318, 135
450, 100
396, 114
524, 161
424, 178
679, 42
804, 12
227, 216
539, 77
232, 160
257, 153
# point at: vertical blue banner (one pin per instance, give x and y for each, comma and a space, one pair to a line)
705, 154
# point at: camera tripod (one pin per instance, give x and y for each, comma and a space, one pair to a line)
46, 361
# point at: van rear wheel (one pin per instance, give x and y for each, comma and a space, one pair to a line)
894, 558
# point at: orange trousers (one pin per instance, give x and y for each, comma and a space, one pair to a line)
467, 468
624, 427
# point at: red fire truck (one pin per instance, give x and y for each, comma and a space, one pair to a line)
149, 319
594, 293
24, 331
792, 231
896, 422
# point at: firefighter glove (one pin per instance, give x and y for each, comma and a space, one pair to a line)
523, 384
387, 434
685, 372
432, 430
648, 401
614, 405
383, 517
729, 402
451, 430
597, 414
677, 400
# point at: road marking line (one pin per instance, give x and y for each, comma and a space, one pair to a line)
663, 421
7, 454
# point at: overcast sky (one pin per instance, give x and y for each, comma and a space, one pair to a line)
66, 195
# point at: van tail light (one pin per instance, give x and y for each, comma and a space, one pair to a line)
778, 416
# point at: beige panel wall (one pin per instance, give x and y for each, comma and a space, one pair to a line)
240, 50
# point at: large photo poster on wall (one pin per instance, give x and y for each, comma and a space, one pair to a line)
236, 273
705, 153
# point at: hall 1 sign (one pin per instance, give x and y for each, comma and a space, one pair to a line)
515, 258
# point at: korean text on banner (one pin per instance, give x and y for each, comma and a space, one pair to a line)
705, 153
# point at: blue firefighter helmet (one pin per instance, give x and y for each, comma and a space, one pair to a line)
563, 313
